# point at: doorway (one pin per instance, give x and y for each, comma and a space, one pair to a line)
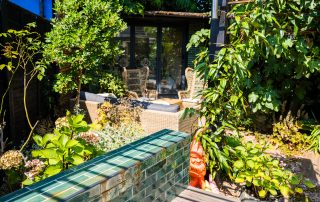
162, 49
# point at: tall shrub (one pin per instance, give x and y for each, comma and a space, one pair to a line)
273, 55
82, 39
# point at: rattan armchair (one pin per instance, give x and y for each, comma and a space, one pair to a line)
136, 81
194, 84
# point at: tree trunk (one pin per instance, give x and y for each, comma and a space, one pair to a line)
79, 88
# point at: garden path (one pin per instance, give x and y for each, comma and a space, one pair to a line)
191, 194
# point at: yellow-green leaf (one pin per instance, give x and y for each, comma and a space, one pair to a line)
262, 193
273, 192
285, 190
238, 164
298, 190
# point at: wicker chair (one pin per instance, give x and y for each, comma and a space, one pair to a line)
195, 85
136, 81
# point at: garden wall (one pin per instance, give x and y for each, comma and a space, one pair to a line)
154, 167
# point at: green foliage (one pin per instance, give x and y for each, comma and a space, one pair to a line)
115, 115
132, 7
274, 49
137, 6
112, 84
62, 149
21, 48
113, 137
287, 135
262, 173
247, 164
217, 148
82, 39
314, 139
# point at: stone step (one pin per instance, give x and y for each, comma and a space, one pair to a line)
191, 194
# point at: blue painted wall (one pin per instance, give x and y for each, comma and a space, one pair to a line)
34, 6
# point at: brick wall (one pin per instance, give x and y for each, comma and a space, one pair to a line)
153, 168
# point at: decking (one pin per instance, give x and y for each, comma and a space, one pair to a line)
191, 194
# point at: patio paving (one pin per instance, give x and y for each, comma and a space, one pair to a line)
191, 194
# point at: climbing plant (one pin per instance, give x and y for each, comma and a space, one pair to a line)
273, 55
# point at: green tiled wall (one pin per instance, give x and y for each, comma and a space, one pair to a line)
153, 168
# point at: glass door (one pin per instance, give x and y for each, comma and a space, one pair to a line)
171, 60
161, 49
146, 52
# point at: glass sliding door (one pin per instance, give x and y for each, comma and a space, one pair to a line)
171, 60
161, 49
146, 52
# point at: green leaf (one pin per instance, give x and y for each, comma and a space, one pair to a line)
285, 190
27, 182
71, 143
253, 97
294, 180
256, 182
52, 170
63, 140
45, 153
262, 193
77, 159
2, 66
287, 43
38, 140
250, 163
239, 180
309, 184
238, 164
298, 190
273, 192
47, 137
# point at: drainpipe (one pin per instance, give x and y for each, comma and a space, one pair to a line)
214, 29
41, 5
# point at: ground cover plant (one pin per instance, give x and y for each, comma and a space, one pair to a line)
273, 56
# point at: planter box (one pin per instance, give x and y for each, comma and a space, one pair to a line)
153, 168
152, 121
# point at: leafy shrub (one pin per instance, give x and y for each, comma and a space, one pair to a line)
63, 149
248, 164
82, 39
114, 115
112, 137
263, 174
273, 55
314, 139
112, 84
288, 136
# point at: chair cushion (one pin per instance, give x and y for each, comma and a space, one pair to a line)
135, 103
157, 107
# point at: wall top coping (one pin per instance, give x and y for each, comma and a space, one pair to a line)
70, 183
